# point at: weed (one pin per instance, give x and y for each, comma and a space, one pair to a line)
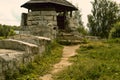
40, 66
95, 61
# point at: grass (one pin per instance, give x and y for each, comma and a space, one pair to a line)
1, 38
98, 60
40, 66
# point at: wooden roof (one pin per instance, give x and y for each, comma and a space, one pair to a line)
58, 4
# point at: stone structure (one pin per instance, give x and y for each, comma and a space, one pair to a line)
42, 23
46, 17
16, 52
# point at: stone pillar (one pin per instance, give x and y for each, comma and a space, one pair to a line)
24, 21
42, 23
70, 13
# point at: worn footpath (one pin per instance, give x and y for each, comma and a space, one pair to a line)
68, 52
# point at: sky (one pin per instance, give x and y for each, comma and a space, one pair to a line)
10, 10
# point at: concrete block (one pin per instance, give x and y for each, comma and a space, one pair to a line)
53, 23
38, 18
34, 13
54, 18
34, 18
30, 18
29, 23
48, 13
34, 22
49, 18
42, 23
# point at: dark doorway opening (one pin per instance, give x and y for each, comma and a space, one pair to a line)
61, 22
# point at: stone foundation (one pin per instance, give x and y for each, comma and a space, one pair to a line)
13, 53
42, 23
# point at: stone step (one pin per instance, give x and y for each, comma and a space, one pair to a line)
70, 42
30, 39
67, 34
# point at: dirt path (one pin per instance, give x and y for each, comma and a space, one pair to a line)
68, 52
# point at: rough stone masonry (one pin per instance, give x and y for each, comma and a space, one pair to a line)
41, 23
13, 52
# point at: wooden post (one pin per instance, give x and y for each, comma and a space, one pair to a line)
28, 10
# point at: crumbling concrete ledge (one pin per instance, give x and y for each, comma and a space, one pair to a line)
13, 53
17, 45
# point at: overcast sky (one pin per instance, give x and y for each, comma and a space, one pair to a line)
10, 10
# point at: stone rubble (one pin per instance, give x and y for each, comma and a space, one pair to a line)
13, 52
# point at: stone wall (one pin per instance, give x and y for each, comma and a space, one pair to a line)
16, 45
42, 23
72, 24
24, 21
37, 40
13, 53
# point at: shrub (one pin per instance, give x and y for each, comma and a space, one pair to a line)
11, 33
6, 31
115, 31
117, 40
82, 30
94, 61
1, 38
40, 66
85, 41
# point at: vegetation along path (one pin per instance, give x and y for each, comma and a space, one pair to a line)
68, 52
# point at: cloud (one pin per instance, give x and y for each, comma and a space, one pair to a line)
16, 15
10, 10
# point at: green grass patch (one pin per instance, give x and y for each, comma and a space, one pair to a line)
1, 38
40, 66
95, 61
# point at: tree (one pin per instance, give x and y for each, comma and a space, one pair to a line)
78, 16
6, 31
80, 27
104, 14
115, 31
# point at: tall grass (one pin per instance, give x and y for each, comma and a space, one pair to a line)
40, 66
95, 61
